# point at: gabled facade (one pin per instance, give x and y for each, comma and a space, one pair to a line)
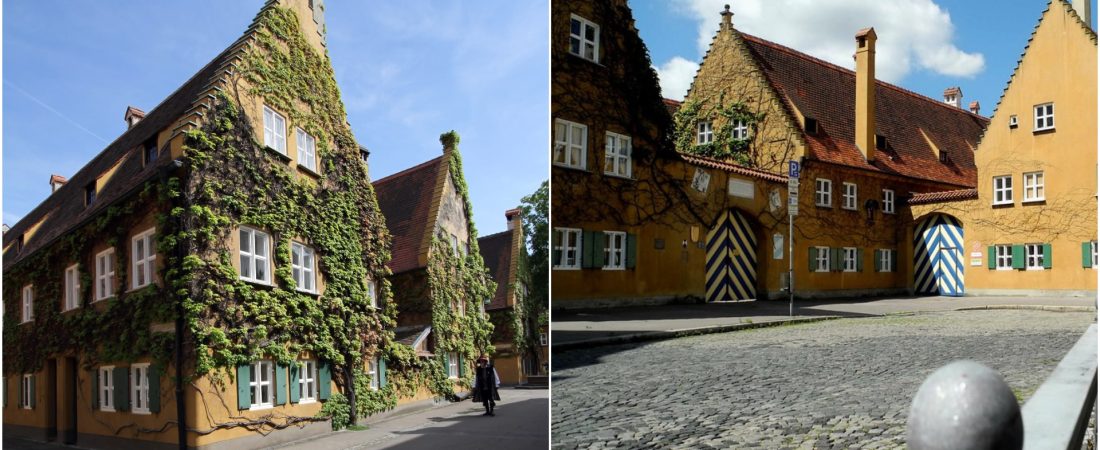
519, 353
1030, 224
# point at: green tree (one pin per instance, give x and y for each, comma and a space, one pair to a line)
536, 226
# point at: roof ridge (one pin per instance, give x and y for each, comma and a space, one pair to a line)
845, 70
495, 234
391, 177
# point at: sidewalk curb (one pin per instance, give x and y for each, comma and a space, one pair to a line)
683, 332
1053, 308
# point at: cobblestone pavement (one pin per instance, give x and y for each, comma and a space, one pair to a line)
844, 383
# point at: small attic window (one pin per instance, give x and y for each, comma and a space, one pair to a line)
1013, 122
811, 125
19, 244
150, 151
880, 142
89, 193
944, 158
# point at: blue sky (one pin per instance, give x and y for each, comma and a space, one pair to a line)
924, 45
408, 71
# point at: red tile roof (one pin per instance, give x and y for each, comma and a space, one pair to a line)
496, 250
826, 92
672, 106
405, 198
733, 168
945, 196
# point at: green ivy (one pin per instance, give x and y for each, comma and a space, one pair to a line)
724, 145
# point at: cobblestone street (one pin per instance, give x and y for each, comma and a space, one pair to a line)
836, 384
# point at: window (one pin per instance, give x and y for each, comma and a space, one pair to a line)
849, 196
1035, 256
26, 391
372, 292
150, 151
542, 339
1004, 257
107, 388
302, 267
72, 288
1013, 121
614, 251
704, 133
617, 155
811, 125
1033, 187
28, 303
254, 251
307, 150
1044, 117
452, 365
1002, 190
850, 259
274, 130
144, 255
105, 274
139, 388
1095, 254
567, 250
584, 38
570, 144
89, 193
821, 257
307, 381
888, 201
372, 370
823, 193
259, 383
740, 130
886, 260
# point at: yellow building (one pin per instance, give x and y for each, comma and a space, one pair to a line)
1030, 225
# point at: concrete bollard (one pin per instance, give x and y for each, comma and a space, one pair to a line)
964, 405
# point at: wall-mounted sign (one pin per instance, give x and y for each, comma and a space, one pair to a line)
701, 180
742, 189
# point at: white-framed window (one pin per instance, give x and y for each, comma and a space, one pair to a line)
570, 144
1004, 257
107, 388
888, 201
850, 193
740, 130
144, 258
568, 248
105, 274
614, 251
307, 150
372, 370
704, 132
1002, 190
372, 292
307, 381
28, 385
617, 155
1095, 254
139, 388
72, 288
822, 259
1035, 256
850, 259
254, 256
259, 384
303, 267
274, 130
584, 38
28, 303
886, 260
452, 365
543, 341
1033, 187
823, 192
1044, 117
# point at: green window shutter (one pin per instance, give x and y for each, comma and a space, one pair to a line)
1018, 261
992, 257
1047, 259
834, 256
295, 388
631, 250
598, 239
461, 367
878, 260
244, 394
154, 388
586, 248
381, 373
20, 380
280, 384
813, 259
1086, 255
95, 388
555, 254
859, 260
893, 261
324, 382
121, 377
34, 381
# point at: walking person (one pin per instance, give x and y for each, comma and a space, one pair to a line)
486, 382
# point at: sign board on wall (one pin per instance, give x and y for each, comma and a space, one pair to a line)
777, 246
742, 189
701, 180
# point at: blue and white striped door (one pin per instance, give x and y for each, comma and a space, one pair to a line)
731, 259
938, 254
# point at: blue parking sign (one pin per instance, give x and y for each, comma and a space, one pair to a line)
794, 169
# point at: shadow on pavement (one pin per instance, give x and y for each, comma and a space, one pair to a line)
521, 424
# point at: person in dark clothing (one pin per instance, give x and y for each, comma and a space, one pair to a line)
486, 382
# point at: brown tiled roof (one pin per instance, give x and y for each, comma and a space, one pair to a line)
55, 178
136, 112
732, 168
826, 92
405, 198
496, 250
672, 106
945, 196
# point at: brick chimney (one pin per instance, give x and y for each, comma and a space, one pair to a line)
953, 96
133, 116
56, 181
727, 19
513, 216
975, 107
865, 92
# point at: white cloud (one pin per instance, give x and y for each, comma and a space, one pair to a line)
911, 33
676, 76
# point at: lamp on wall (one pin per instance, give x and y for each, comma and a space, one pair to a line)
870, 206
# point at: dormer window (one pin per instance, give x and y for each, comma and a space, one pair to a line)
19, 244
880, 142
944, 158
89, 194
150, 151
811, 125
